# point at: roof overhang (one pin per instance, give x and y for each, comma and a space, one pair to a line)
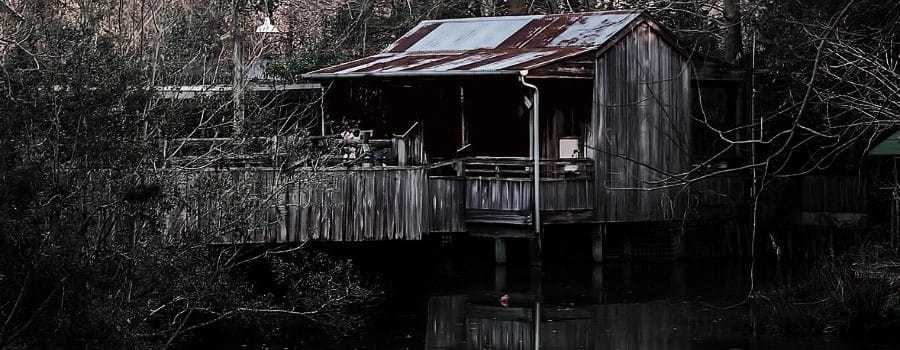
890, 146
416, 74
448, 64
190, 91
488, 46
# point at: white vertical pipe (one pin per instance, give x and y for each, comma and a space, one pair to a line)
537, 325
535, 151
322, 110
464, 137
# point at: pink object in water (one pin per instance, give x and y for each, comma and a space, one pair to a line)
504, 300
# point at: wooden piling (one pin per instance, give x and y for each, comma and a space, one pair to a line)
678, 243
500, 278
535, 251
626, 248
597, 284
499, 251
597, 240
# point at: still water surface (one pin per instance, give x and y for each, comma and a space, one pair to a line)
580, 306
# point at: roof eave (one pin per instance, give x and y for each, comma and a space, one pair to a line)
413, 74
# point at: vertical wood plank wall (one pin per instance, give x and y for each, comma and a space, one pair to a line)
510, 200
363, 205
833, 193
340, 205
640, 128
447, 204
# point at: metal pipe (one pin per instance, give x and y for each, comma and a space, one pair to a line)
322, 110
464, 137
537, 325
535, 150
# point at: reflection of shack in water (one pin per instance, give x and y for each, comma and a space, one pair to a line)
456, 323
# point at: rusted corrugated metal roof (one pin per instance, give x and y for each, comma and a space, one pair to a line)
488, 45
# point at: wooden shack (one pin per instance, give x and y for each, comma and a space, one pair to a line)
527, 121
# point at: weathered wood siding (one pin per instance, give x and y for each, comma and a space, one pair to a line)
718, 196
447, 204
640, 128
499, 200
499, 193
330, 205
833, 193
563, 194
364, 205
511, 200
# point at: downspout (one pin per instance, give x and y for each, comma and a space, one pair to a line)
535, 150
322, 92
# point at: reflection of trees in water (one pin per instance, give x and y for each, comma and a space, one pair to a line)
454, 323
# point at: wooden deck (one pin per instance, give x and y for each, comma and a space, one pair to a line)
397, 203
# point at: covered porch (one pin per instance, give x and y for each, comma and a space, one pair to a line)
479, 139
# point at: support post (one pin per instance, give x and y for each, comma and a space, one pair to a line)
537, 324
535, 250
535, 150
499, 251
895, 211
499, 278
790, 245
535, 143
679, 240
464, 133
322, 111
626, 249
597, 283
597, 240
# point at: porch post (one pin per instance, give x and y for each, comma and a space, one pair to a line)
499, 251
534, 142
322, 111
597, 243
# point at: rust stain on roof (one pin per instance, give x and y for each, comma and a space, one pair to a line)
411, 38
489, 44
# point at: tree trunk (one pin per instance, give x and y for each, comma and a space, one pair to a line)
516, 7
734, 48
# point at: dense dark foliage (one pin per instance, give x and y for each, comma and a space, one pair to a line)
856, 293
87, 258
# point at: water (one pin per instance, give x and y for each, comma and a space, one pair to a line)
435, 304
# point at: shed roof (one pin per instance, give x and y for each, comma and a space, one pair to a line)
488, 45
889, 147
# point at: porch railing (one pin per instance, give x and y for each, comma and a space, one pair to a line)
500, 190
519, 167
